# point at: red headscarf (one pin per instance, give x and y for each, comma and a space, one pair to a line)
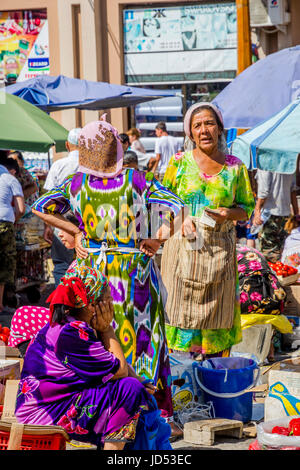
79, 287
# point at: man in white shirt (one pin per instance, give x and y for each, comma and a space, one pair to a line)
12, 208
59, 171
66, 166
165, 146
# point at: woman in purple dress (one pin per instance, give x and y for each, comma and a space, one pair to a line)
124, 216
75, 374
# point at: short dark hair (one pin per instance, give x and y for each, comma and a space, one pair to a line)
9, 163
130, 157
162, 126
124, 138
12, 164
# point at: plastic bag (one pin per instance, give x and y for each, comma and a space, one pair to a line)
267, 440
280, 322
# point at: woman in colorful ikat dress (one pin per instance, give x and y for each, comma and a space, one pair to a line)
202, 283
113, 207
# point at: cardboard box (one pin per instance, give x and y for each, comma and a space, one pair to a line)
9, 370
292, 303
283, 390
256, 340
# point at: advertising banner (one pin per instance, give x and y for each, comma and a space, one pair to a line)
24, 45
180, 43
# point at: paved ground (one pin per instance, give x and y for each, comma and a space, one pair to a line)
220, 444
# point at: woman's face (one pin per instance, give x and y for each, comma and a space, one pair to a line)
205, 130
66, 239
132, 138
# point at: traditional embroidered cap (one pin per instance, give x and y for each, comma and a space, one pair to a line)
188, 115
100, 149
79, 287
73, 135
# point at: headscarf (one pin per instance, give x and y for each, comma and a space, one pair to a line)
189, 143
100, 149
79, 287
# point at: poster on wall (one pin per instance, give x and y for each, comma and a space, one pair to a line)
180, 43
24, 45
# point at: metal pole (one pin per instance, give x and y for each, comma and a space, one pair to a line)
244, 50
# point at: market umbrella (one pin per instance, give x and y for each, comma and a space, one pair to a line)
261, 90
56, 93
274, 144
25, 127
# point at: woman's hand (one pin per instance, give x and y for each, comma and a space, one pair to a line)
150, 246
103, 316
189, 229
150, 388
221, 216
80, 251
148, 385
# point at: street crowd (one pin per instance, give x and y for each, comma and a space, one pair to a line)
148, 257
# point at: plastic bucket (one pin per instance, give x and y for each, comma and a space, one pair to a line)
224, 381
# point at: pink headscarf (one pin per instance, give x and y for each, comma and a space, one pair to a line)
188, 115
100, 149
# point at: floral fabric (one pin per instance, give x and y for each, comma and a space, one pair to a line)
260, 290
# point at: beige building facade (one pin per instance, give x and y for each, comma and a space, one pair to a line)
86, 41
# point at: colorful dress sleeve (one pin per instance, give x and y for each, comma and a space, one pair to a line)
164, 198
169, 180
244, 196
79, 350
56, 201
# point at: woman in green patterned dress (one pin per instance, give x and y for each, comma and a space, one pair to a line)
203, 304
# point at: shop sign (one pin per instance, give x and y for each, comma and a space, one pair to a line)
24, 45
180, 41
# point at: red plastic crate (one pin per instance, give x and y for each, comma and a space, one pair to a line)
36, 442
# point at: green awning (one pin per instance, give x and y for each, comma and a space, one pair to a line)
25, 127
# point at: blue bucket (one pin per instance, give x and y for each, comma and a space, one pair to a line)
224, 381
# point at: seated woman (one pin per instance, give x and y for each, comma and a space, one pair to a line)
75, 374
